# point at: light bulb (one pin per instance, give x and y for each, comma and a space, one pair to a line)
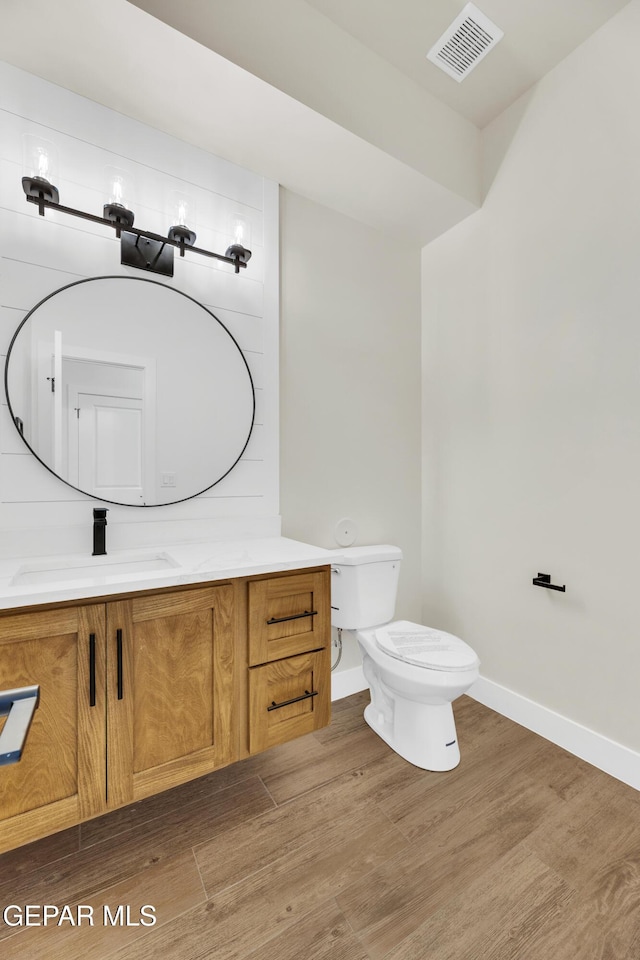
118, 187
182, 209
39, 158
240, 233
117, 191
182, 214
39, 169
43, 164
241, 230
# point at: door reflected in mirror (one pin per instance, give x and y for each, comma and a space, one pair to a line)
130, 391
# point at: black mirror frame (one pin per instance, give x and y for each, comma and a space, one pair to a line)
18, 424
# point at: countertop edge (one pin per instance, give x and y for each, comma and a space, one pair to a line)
34, 595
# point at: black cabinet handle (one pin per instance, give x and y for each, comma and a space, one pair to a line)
544, 580
92, 669
285, 703
119, 656
294, 616
18, 706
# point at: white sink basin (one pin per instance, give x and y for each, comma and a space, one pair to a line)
93, 568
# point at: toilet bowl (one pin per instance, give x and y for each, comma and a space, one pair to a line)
414, 672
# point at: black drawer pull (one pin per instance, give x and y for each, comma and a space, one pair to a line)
294, 616
119, 656
92, 669
285, 703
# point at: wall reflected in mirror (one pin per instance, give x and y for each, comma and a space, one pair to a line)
130, 391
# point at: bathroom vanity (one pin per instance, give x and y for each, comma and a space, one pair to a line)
149, 679
136, 671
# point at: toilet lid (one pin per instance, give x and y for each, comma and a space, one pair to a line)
425, 647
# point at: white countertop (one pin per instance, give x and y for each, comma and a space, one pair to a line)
27, 582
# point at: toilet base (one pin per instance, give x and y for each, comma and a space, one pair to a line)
422, 733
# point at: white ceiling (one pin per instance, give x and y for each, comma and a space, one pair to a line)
275, 39
332, 98
538, 34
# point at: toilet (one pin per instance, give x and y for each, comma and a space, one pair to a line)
414, 672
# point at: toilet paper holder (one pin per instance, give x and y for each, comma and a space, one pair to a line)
544, 580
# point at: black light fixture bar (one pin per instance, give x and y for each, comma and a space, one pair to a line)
238, 260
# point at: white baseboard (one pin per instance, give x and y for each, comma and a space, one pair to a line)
346, 682
613, 758
607, 755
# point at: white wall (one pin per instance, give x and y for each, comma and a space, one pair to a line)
350, 344
350, 386
532, 396
38, 513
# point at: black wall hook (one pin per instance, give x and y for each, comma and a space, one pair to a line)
544, 580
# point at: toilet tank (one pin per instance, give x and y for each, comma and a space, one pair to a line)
364, 585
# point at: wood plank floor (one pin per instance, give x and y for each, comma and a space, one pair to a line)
334, 847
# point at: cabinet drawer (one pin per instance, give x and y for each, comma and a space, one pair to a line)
288, 615
288, 698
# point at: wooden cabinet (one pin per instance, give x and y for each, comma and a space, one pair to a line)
135, 696
145, 691
170, 675
61, 778
289, 656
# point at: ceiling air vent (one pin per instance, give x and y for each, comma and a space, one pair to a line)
463, 45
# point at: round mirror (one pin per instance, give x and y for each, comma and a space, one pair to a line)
129, 391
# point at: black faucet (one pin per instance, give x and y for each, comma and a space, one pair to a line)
99, 531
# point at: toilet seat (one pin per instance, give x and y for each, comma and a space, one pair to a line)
425, 647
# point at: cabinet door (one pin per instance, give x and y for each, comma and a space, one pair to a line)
60, 778
288, 615
171, 669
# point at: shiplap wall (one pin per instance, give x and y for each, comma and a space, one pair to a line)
40, 515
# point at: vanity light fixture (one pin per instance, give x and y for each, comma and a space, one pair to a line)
143, 249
